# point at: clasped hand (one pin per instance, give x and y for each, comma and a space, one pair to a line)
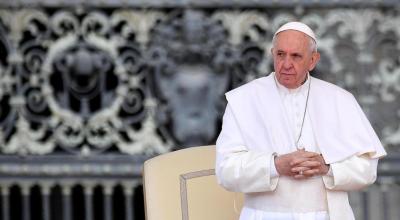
301, 164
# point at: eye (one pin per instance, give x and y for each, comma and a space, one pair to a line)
297, 56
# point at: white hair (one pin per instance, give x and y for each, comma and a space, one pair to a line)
312, 43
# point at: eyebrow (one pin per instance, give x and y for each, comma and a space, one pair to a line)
296, 54
291, 54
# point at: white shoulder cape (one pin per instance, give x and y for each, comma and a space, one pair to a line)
340, 126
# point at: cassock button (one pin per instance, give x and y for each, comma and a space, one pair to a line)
301, 147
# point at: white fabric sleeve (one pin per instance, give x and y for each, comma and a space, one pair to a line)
330, 172
353, 173
274, 171
238, 168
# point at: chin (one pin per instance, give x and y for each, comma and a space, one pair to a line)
291, 86
288, 84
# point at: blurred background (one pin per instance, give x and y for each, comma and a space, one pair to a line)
91, 89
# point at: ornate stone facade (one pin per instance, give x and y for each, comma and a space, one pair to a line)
143, 81
84, 84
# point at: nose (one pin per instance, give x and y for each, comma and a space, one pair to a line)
287, 63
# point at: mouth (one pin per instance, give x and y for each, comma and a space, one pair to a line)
287, 74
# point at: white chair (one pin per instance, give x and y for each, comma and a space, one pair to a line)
182, 185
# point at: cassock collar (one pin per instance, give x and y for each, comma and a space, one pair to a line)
283, 91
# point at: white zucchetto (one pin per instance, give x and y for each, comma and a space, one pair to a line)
297, 26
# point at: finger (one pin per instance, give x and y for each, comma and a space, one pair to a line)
315, 159
318, 157
310, 163
297, 161
311, 172
299, 169
308, 154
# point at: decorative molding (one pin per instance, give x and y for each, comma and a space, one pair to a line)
198, 3
140, 82
69, 166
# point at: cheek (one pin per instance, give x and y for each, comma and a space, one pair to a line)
301, 72
277, 65
300, 68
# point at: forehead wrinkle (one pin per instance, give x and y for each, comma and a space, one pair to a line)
305, 40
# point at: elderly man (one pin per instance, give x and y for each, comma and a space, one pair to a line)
294, 144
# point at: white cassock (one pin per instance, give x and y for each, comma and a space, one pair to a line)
263, 119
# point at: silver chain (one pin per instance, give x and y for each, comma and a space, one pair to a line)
304, 115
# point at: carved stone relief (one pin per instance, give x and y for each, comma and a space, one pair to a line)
149, 81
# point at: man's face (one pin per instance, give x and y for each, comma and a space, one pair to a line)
293, 58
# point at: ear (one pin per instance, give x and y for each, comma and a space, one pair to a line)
272, 51
314, 60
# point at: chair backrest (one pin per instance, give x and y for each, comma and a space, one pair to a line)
182, 185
